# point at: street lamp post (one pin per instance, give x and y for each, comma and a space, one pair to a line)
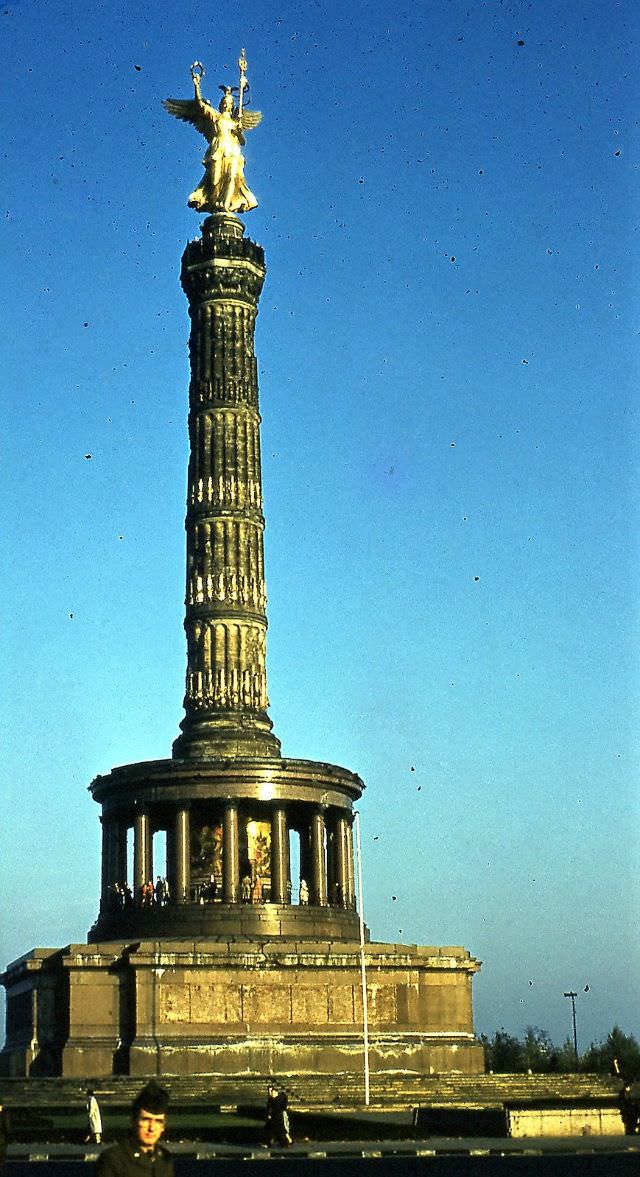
572, 996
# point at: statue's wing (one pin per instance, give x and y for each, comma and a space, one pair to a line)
199, 114
250, 119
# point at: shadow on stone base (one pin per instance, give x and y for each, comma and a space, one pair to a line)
176, 1007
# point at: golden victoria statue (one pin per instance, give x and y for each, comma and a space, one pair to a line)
223, 187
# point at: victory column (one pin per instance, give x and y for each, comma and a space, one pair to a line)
239, 966
227, 800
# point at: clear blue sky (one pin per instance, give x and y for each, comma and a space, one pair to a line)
448, 357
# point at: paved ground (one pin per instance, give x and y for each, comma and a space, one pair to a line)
615, 1156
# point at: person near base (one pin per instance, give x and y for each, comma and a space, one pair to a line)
94, 1118
277, 1126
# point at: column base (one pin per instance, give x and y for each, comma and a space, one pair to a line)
225, 736
248, 920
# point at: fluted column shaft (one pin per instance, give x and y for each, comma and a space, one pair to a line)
340, 859
350, 893
318, 861
279, 856
306, 869
182, 843
120, 850
171, 858
109, 856
230, 854
142, 860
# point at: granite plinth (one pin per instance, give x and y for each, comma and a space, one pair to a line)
183, 1007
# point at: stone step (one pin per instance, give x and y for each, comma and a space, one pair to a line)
318, 1091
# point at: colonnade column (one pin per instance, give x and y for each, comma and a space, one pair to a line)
279, 856
182, 842
230, 853
340, 860
306, 870
120, 850
108, 857
318, 860
142, 862
171, 860
350, 893
331, 861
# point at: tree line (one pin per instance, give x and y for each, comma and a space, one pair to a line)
618, 1053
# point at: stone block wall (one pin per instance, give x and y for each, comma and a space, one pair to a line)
190, 1007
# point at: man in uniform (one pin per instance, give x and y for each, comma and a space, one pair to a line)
141, 1153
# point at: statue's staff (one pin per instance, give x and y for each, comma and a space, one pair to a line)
242, 64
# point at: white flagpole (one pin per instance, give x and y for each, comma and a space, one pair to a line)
363, 968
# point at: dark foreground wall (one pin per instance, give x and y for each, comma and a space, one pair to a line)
551, 1165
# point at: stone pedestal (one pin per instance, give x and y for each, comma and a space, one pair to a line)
226, 1007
